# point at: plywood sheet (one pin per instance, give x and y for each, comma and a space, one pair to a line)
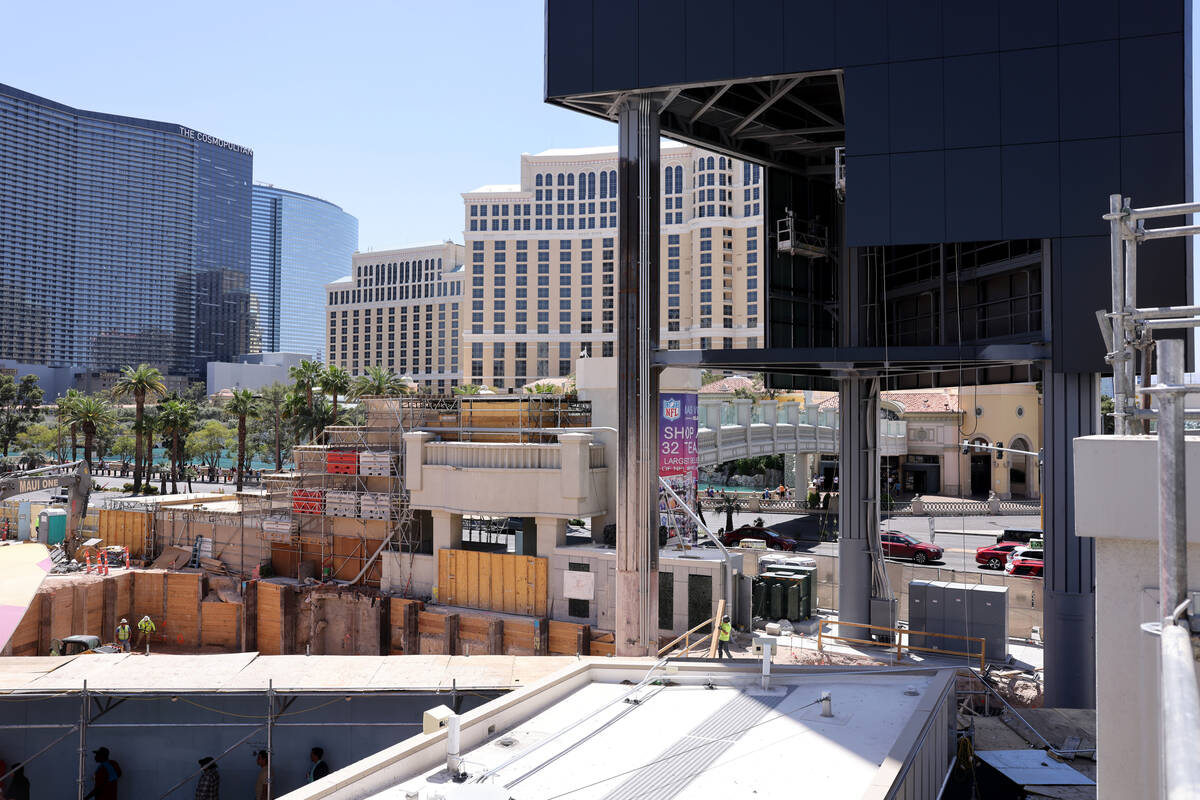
270, 618
220, 624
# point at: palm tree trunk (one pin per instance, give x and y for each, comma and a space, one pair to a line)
137, 447
88, 437
278, 457
74, 444
335, 408
175, 463
148, 456
241, 465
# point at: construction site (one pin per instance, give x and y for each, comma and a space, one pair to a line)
520, 596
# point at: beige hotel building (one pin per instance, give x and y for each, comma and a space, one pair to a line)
401, 310
538, 284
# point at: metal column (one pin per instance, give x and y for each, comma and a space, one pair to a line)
858, 498
637, 381
1072, 408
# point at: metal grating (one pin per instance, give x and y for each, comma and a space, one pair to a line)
670, 773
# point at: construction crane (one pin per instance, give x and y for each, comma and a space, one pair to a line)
73, 476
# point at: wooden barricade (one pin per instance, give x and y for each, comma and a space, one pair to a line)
124, 528
514, 584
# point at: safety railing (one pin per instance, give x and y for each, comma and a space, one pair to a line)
708, 639
899, 646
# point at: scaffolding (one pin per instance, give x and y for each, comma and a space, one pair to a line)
1129, 334
346, 503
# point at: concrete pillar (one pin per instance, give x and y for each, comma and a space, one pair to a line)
414, 457
770, 411
791, 413
1069, 620
575, 465
551, 533
637, 381
447, 530
743, 408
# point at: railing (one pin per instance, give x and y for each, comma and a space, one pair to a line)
686, 637
900, 647
478, 455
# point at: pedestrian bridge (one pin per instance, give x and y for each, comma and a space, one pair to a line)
744, 428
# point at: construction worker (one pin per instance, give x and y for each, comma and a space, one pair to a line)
108, 773
146, 627
208, 787
123, 634
724, 632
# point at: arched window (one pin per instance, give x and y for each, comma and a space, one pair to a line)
679, 179
669, 182
562, 179
612, 183
570, 179
538, 182
746, 172
721, 163
591, 178
603, 184
711, 162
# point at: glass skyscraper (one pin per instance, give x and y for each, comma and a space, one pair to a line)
298, 244
122, 241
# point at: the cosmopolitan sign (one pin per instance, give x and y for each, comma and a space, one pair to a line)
204, 137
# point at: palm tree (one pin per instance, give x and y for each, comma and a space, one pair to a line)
88, 413
176, 419
542, 388
243, 404
139, 383
148, 428
333, 382
306, 375
468, 388
64, 404
274, 397
378, 382
294, 410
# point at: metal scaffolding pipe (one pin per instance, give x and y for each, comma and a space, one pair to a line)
1172, 483
1150, 212
1165, 312
1179, 712
1117, 262
1168, 233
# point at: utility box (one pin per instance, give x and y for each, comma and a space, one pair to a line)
435, 719
959, 609
52, 526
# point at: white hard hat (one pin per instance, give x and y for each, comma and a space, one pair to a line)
124, 621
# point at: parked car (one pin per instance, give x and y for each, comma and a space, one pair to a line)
773, 538
901, 545
994, 556
1025, 561
1019, 535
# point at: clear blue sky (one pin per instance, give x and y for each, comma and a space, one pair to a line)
388, 109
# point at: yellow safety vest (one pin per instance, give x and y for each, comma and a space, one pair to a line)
123, 632
725, 629
146, 626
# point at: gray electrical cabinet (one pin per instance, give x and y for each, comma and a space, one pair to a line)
959, 609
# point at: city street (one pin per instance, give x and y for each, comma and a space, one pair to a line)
959, 536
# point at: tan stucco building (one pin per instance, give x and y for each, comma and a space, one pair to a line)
541, 261
400, 309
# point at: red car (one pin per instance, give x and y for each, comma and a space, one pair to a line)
901, 545
1025, 562
773, 539
994, 556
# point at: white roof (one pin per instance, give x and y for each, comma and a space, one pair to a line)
496, 188
370, 254
706, 731
600, 150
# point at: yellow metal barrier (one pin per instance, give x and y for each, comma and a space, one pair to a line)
900, 646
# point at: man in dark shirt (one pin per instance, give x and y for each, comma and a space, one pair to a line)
209, 785
106, 776
319, 768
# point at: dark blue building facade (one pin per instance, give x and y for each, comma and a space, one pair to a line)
121, 241
949, 162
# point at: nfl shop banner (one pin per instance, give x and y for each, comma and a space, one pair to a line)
678, 460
